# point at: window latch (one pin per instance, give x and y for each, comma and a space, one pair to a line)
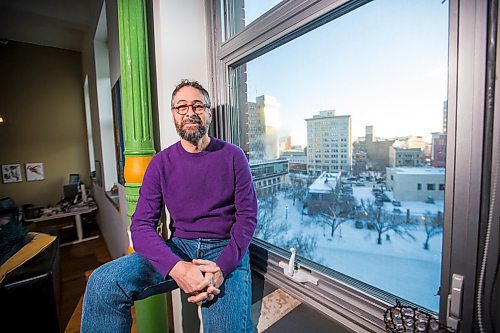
298, 274
454, 309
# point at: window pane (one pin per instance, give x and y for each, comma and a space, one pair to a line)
240, 13
343, 126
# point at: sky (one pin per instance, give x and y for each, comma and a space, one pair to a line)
385, 64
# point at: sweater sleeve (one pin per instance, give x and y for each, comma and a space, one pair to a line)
145, 237
245, 216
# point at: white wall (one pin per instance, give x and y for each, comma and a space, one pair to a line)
111, 220
181, 53
404, 185
112, 40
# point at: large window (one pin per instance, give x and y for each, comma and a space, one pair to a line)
347, 111
240, 13
362, 84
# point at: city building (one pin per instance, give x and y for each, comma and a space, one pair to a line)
445, 117
411, 157
438, 151
377, 150
269, 176
322, 191
416, 184
285, 143
297, 161
263, 123
359, 163
329, 145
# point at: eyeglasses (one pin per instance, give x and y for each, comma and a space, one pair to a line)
197, 108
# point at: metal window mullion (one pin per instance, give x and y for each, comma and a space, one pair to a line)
289, 22
356, 311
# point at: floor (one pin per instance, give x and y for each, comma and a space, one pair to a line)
75, 261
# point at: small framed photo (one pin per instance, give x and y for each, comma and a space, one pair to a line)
34, 171
11, 173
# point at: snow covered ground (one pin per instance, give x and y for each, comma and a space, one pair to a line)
399, 266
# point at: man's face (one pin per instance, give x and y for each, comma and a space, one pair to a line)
193, 125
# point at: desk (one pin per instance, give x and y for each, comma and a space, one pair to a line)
78, 222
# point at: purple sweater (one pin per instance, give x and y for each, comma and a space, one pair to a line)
208, 194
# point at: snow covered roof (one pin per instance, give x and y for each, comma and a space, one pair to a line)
325, 183
417, 171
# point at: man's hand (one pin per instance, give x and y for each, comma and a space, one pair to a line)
189, 277
212, 281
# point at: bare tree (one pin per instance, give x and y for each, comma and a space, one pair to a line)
268, 228
433, 225
382, 222
305, 245
298, 188
333, 220
345, 205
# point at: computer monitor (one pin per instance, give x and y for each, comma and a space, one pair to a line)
70, 192
74, 178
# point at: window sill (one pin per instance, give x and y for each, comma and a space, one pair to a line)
351, 307
114, 199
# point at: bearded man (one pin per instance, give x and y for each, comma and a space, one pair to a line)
207, 187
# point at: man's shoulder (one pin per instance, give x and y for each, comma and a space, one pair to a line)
169, 150
227, 147
165, 154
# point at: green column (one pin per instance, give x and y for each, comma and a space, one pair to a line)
151, 313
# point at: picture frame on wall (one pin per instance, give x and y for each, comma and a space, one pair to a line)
34, 171
11, 173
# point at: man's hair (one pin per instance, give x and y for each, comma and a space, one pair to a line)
194, 84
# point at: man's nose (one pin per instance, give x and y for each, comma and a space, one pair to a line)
190, 111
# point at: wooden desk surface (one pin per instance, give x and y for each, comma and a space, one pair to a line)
82, 210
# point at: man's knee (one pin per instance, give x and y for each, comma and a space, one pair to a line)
99, 280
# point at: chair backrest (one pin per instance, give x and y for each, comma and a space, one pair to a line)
9, 210
8, 206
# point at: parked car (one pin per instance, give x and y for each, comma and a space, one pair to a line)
396, 203
360, 184
347, 189
359, 224
396, 210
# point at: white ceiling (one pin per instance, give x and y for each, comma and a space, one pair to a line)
57, 23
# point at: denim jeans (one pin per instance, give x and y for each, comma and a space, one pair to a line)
113, 287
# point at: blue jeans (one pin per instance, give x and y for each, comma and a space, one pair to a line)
113, 287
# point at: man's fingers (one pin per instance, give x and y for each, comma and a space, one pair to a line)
213, 291
204, 284
198, 298
209, 268
202, 262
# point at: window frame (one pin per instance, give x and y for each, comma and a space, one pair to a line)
353, 308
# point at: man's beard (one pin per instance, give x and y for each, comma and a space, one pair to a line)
192, 134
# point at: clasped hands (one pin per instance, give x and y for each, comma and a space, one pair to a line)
201, 279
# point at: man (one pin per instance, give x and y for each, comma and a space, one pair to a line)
207, 187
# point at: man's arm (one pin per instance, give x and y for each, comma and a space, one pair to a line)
145, 237
246, 217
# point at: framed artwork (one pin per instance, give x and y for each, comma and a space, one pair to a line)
34, 171
11, 173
